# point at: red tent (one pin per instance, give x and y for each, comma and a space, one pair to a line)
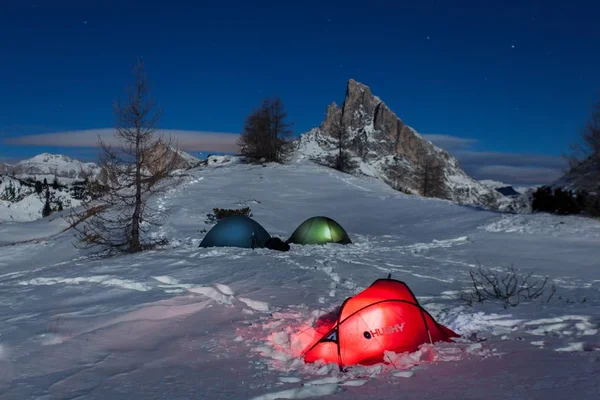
385, 316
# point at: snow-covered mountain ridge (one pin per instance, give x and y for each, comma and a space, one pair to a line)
47, 166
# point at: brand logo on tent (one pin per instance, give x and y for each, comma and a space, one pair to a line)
386, 330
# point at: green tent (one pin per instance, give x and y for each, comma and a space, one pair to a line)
319, 230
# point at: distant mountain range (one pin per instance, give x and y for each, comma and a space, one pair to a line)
47, 166
19, 200
380, 143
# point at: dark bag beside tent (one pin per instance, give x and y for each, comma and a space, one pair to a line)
277, 244
384, 317
319, 230
236, 231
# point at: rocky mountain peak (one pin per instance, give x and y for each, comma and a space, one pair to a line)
387, 148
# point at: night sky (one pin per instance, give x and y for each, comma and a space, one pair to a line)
503, 85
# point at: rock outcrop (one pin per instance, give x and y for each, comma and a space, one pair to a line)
383, 146
163, 155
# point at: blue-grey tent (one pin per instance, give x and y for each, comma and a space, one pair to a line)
236, 231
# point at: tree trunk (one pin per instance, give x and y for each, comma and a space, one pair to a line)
137, 212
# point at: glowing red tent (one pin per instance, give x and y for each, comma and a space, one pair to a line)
385, 316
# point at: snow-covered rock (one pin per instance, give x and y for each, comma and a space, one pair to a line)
383, 146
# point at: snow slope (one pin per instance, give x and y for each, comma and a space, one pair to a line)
226, 323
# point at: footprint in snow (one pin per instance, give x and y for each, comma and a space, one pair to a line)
220, 293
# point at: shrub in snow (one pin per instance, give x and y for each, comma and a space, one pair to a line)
509, 286
220, 213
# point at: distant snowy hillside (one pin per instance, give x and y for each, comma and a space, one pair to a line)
498, 185
585, 177
386, 148
49, 165
5, 168
19, 201
226, 323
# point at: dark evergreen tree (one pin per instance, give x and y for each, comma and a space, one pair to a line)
543, 200
38, 187
47, 208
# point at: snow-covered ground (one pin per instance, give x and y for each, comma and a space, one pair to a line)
225, 323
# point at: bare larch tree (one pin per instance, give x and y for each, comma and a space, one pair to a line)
132, 172
429, 175
266, 133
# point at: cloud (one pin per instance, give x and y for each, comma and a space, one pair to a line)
526, 175
511, 168
511, 159
186, 140
448, 142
